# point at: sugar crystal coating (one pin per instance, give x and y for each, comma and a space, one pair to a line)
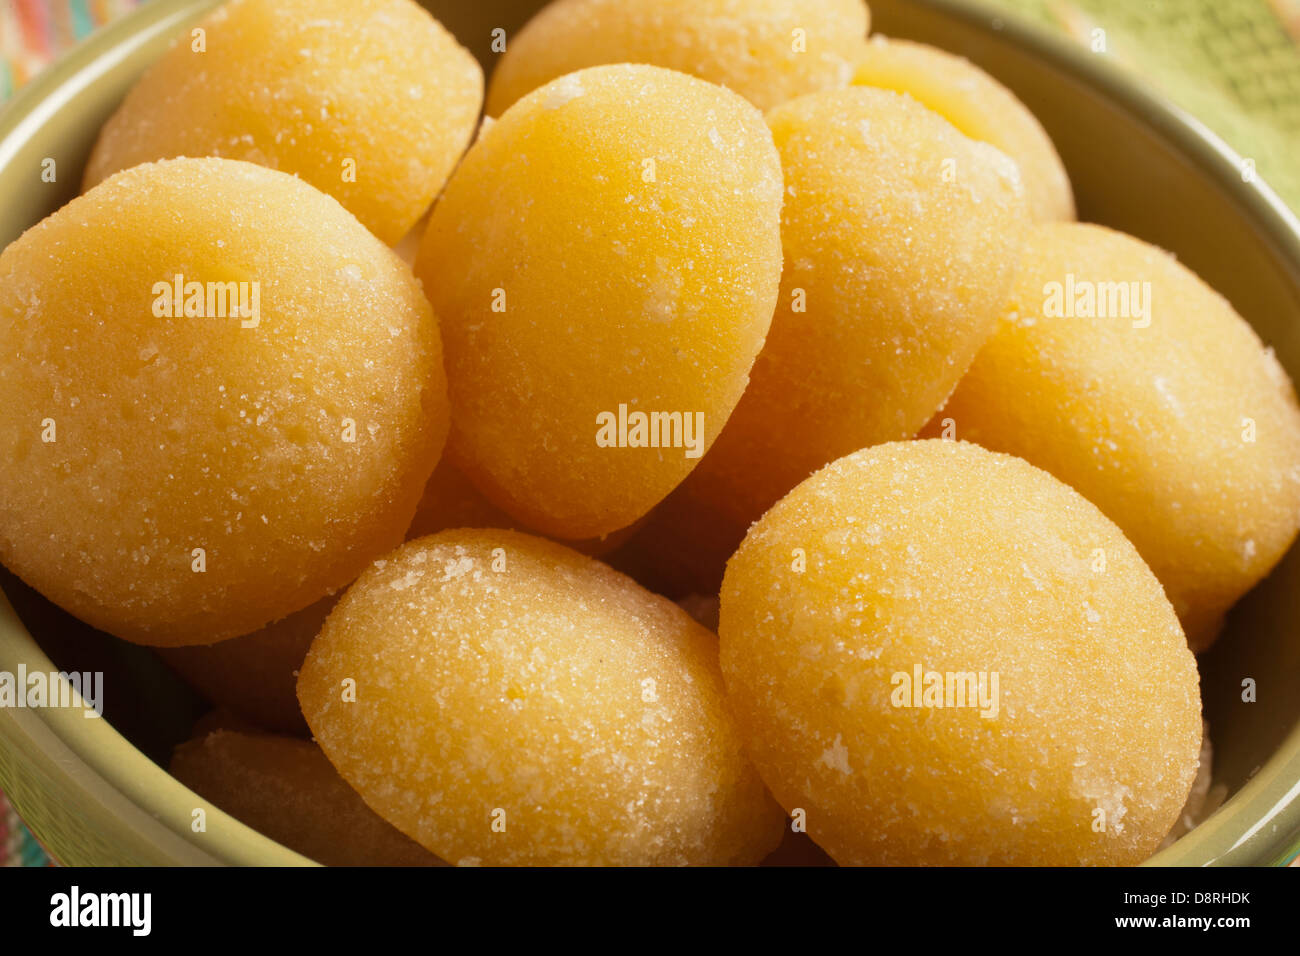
1076, 738
609, 248
901, 237
371, 101
1119, 371
285, 789
518, 703
182, 479
768, 51
979, 106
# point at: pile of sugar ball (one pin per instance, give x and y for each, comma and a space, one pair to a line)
730, 442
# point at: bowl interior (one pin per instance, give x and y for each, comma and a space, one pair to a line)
94, 789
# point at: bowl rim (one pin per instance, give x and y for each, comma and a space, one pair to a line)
1258, 824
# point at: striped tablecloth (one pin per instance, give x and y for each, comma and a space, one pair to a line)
1235, 64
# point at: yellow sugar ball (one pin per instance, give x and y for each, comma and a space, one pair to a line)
285, 789
979, 106
943, 655
1119, 371
222, 399
901, 237
505, 700
255, 676
768, 51
370, 101
604, 263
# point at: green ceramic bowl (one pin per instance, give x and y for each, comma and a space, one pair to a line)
94, 790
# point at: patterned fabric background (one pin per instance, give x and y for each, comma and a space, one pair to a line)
1234, 64
33, 32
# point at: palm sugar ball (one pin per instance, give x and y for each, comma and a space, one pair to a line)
286, 790
1115, 368
604, 264
255, 676
222, 395
768, 51
370, 101
979, 106
505, 700
901, 237
942, 655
